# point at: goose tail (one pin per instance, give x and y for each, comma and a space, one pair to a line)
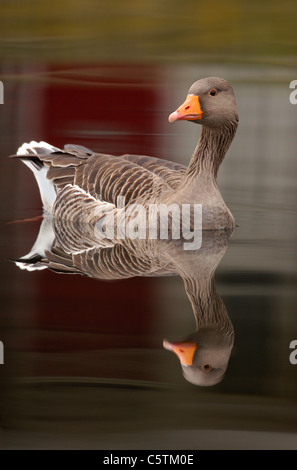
36, 259
29, 154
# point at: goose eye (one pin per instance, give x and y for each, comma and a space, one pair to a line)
213, 92
206, 368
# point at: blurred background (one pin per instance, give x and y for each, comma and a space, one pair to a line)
84, 364
171, 30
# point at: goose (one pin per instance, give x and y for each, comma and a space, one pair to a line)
64, 247
77, 184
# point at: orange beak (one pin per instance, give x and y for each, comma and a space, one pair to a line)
184, 351
190, 110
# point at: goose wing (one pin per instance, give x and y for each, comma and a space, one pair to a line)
170, 172
113, 263
102, 176
116, 172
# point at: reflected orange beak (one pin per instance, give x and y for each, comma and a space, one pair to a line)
184, 351
190, 110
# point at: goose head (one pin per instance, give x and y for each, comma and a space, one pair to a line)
204, 355
210, 102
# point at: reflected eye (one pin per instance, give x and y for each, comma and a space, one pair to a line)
213, 92
206, 367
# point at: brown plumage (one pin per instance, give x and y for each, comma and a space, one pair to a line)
93, 178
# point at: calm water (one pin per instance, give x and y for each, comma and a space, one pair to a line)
84, 364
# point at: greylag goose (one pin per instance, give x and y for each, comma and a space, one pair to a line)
76, 183
65, 247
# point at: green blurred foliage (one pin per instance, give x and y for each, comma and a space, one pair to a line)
148, 29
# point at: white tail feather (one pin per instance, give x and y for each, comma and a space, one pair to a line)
46, 187
43, 243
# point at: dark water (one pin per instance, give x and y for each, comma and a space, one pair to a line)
84, 365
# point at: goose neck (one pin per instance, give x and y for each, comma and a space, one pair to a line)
211, 150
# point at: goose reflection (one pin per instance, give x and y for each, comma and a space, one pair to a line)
65, 247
